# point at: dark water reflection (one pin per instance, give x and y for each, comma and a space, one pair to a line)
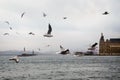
59, 67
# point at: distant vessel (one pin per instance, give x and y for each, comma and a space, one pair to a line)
26, 54
79, 54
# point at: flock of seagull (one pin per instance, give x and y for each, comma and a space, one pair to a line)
48, 34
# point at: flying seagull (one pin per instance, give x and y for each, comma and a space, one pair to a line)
93, 47
63, 51
44, 15
64, 17
39, 49
31, 33
105, 13
49, 31
6, 34
22, 14
48, 45
10, 28
15, 58
7, 22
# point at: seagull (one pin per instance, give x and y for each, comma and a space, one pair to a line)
31, 33
105, 13
39, 49
67, 51
64, 17
48, 45
93, 47
6, 34
22, 14
49, 31
15, 58
44, 15
10, 28
7, 22
64, 51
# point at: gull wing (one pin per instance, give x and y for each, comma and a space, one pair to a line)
6, 34
62, 49
7, 22
94, 45
22, 14
49, 29
44, 15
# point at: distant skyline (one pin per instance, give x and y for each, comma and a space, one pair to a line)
83, 26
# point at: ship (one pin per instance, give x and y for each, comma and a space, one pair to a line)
24, 54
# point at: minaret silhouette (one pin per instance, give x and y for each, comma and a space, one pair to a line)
101, 44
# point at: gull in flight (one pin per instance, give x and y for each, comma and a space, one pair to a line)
39, 49
6, 34
7, 22
44, 15
22, 14
105, 13
64, 17
63, 51
10, 28
93, 47
15, 58
49, 31
31, 33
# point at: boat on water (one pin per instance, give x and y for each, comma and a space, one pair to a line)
78, 54
24, 54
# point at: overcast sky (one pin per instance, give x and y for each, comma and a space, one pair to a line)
82, 28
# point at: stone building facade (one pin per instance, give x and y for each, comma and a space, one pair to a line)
109, 47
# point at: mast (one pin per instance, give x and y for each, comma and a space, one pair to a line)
24, 49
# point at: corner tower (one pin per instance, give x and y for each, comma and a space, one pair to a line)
101, 44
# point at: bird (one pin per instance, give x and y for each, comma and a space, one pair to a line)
48, 34
48, 45
44, 15
7, 22
67, 51
93, 47
63, 51
39, 49
105, 13
6, 34
15, 58
22, 14
64, 17
10, 28
31, 33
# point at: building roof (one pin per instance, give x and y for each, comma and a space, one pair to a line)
115, 40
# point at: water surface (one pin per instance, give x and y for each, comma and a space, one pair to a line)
60, 67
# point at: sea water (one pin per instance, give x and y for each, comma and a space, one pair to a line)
60, 67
